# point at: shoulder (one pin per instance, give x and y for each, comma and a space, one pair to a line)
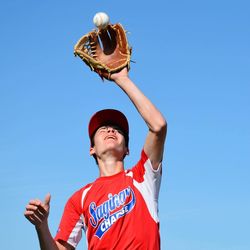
142, 162
144, 168
81, 190
78, 196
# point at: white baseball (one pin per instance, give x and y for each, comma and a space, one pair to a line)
101, 20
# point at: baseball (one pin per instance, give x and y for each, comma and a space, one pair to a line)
101, 20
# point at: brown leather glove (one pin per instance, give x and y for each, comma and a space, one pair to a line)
105, 51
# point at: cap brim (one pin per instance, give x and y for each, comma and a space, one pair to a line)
108, 117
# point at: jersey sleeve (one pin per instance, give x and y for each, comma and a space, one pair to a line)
144, 170
70, 228
148, 180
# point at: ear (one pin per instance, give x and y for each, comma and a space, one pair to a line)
92, 151
127, 153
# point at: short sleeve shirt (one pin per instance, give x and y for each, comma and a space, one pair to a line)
116, 212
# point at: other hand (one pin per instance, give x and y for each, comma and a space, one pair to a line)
37, 212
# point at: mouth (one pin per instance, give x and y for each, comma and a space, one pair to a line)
110, 137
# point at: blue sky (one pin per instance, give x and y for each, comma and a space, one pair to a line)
192, 60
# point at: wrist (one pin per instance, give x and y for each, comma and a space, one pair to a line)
42, 227
122, 80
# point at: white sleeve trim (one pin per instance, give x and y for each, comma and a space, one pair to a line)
76, 234
150, 188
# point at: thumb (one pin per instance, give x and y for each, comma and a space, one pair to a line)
47, 199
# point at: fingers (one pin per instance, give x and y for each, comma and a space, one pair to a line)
34, 220
35, 216
47, 199
37, 212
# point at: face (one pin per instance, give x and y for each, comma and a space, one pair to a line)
109, 138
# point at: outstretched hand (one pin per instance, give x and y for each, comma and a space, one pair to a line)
37, 212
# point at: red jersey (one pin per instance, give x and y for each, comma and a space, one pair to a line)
116, 212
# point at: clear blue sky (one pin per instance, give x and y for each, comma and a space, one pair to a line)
192, 60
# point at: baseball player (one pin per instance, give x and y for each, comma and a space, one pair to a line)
119, 210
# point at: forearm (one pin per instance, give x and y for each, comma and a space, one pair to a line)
45, 238
144, 106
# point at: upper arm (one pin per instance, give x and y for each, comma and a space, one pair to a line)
62, 245
154, 145
71, 221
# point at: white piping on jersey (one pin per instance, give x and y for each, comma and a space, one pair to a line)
84, 224
84, 193
76, 233
149, 188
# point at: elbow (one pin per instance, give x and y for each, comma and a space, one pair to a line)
161, 127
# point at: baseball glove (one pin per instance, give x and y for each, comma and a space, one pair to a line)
105, 51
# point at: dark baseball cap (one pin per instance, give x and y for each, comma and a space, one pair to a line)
109, 117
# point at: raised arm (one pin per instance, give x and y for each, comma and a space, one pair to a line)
154, 144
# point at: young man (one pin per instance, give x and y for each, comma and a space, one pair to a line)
119, 210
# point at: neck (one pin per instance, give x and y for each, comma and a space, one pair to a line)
110, 167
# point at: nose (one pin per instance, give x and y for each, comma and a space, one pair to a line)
110, 129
